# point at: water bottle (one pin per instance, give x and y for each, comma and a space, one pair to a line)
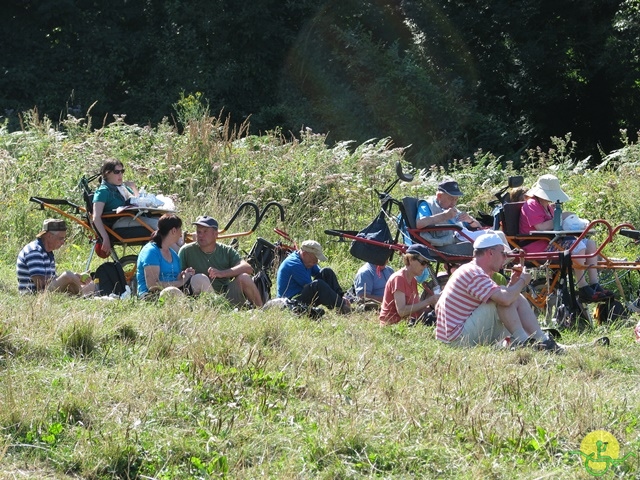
557, 216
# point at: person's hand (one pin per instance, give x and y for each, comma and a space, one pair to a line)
450, 213
187, 273
465, 217
106, 246
213, 273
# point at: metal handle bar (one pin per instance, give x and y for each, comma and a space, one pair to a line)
237, 213
272, 203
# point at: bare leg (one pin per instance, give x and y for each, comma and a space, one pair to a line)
200, 283
249, 289
520, 320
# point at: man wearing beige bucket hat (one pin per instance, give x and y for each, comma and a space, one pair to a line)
537, 214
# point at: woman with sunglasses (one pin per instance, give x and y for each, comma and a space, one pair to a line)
112, 193
401, 298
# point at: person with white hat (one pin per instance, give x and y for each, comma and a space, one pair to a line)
36, 264
441, 209
299, 277
537, 214
474, 310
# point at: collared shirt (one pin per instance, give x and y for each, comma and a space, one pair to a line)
34, 260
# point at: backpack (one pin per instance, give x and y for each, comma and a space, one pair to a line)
377, 231
263, 283
109, 278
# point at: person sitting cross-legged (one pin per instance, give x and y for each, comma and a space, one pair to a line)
229, 273
36, 264
299, 277
474, 310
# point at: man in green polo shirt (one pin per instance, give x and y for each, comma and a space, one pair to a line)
229, 273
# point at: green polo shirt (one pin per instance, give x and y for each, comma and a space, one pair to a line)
222, 258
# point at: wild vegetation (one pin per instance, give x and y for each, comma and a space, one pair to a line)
128, 389
446, 77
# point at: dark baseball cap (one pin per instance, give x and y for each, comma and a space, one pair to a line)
206, 221
450, 187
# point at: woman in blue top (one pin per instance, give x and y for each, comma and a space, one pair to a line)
158, 267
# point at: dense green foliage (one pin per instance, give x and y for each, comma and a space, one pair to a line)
446, 77
130, 389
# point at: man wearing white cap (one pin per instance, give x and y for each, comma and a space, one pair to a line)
475, 310
300, 278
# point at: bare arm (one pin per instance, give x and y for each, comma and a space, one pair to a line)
405, 310
98, 210
242, 267
152, 277
507, 295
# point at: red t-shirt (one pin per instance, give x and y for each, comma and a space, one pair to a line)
397, 283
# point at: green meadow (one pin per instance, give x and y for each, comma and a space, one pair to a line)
193, 389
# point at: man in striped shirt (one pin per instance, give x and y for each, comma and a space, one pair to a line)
36, 264
475, 310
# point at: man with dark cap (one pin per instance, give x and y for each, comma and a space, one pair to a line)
441, 209
229, 273
36, 264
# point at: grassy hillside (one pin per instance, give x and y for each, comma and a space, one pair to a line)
193, 389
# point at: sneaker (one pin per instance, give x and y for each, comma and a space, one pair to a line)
518, 344
548, 345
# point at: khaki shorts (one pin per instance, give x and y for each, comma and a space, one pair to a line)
483, 327
234, 294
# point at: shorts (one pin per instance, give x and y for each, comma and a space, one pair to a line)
483, 327
233, 293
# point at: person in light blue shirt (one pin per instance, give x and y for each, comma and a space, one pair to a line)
370, 281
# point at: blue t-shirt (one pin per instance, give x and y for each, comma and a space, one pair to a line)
150, 255
34, 260
293, 276
368, 282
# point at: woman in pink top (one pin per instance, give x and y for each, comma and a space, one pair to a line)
537, 214
401, 298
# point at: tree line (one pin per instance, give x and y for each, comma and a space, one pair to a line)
447, 77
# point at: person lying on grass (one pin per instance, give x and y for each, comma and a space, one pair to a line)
474, 310
401, 299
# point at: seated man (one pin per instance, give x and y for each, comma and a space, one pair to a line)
36, 264
370, 281
475, 310
229, 273
300, 278
441, 209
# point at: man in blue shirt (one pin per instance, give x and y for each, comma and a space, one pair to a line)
36, 265
300, 278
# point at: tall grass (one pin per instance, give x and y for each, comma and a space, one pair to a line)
193, 389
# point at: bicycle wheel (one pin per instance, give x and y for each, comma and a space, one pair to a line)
129, 263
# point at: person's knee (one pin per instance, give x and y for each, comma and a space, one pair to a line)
171, 292
200, 283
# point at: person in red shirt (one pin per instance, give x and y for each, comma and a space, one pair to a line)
401, 299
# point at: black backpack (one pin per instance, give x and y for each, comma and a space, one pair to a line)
109, 278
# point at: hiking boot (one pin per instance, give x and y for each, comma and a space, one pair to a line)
548, 345
593, 296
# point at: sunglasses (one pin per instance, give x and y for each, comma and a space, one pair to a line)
422, 262
118, 172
